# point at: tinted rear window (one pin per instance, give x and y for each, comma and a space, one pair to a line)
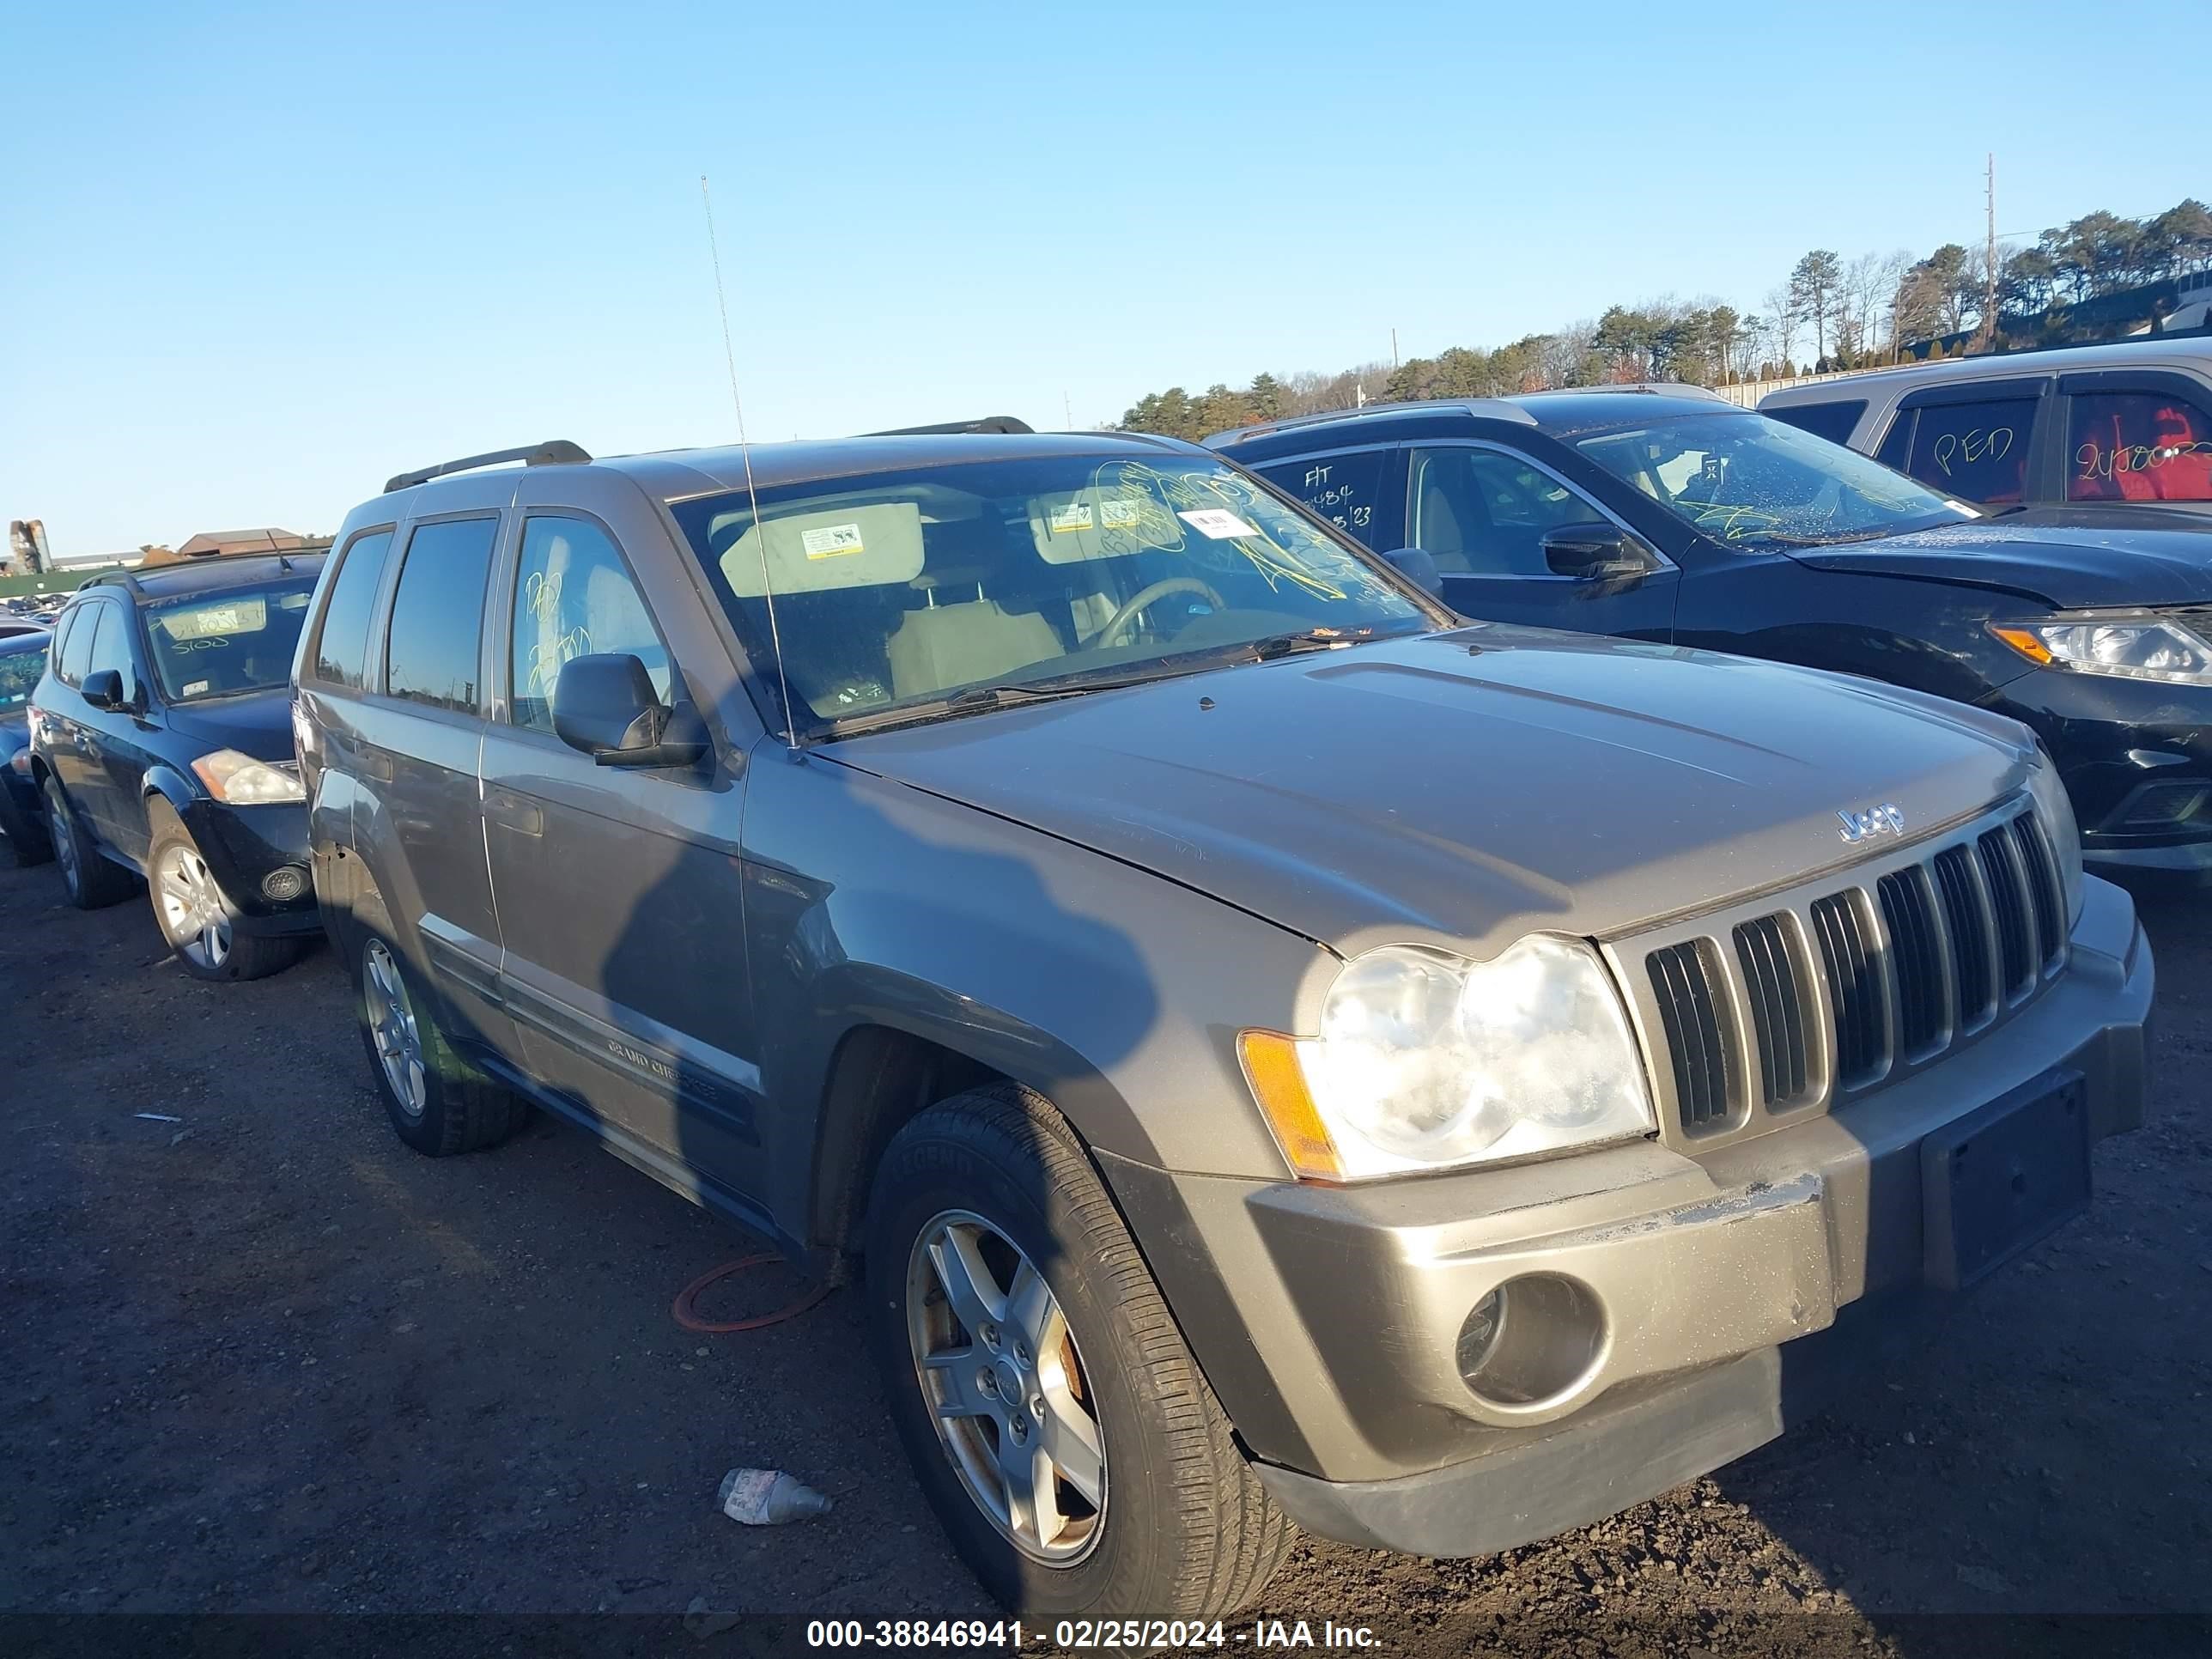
1976, 452
437, 615
1833, 421
342, 647
2139, 446
1339, 488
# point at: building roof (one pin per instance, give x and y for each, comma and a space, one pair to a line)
268, 539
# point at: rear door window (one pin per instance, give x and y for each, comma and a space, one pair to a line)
1833, 421
2138, 446
574, 597
1339, 488
76, 648
437, 638
342, 645
1976, 452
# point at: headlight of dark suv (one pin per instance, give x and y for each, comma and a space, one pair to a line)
2132, 648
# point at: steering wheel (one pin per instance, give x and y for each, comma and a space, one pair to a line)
1145, 596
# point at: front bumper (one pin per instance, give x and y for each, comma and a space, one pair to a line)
245, 847
2132, 753
1329, 1319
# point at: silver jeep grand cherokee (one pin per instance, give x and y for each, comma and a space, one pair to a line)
1284, 1055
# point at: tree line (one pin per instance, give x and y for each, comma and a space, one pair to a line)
1826, 313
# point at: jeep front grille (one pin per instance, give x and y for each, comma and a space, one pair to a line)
1854, 985
1683, 980
1778, 1007
1811, 996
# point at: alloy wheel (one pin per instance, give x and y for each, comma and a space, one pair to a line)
1002, 1378
392, 1027
192, 910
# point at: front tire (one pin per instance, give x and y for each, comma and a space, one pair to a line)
195, 917
93, 882
1057, 1421
438, 1103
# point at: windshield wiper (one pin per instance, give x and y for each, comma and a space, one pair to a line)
976, 700
1309, 639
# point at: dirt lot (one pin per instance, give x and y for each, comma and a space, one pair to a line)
266, 1360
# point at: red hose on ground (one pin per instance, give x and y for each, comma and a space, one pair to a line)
688, 1318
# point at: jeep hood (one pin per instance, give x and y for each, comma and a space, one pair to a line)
1464, 788
2071, 560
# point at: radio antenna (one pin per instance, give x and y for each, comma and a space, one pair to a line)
745, 449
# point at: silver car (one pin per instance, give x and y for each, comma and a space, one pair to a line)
2124, 425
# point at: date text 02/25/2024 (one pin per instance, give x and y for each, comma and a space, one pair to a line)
1076, 1635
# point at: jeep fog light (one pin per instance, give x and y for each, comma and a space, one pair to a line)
286, 883
1531, 1340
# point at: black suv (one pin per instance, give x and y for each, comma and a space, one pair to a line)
161, 739
1665, 514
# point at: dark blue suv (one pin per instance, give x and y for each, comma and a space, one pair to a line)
162, 742
1665, 514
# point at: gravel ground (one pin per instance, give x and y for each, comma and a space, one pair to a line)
265, 1360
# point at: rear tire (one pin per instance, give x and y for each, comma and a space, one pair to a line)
93, 884
195, 917
438, 1103
995, 1185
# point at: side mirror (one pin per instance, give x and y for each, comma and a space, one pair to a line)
1417, 566
103, 688
1594, 552
604, 706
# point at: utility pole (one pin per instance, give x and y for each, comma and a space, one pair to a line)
1068, 409
1393, 348
1989, 258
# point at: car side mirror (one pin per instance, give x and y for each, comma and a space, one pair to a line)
103, 688
1594, 552
604, 706
1417, 566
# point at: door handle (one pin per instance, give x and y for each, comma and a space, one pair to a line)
375, 763
513, 811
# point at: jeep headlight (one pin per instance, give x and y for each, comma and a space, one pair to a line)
1425, 1060
2056, 813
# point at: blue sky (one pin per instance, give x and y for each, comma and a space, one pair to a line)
261, 257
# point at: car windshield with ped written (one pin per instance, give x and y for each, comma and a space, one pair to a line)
220, 644
949, 590
1746, 480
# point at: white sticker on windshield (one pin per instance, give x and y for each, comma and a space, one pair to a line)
1217, 523
1120, 512
193, 688
832, 541
1075, 516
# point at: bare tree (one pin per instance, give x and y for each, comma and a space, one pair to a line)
1784, 319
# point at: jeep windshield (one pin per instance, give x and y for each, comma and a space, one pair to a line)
957, 589
220, 644
1745, 480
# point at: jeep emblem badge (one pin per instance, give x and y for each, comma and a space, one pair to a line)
1882, 820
